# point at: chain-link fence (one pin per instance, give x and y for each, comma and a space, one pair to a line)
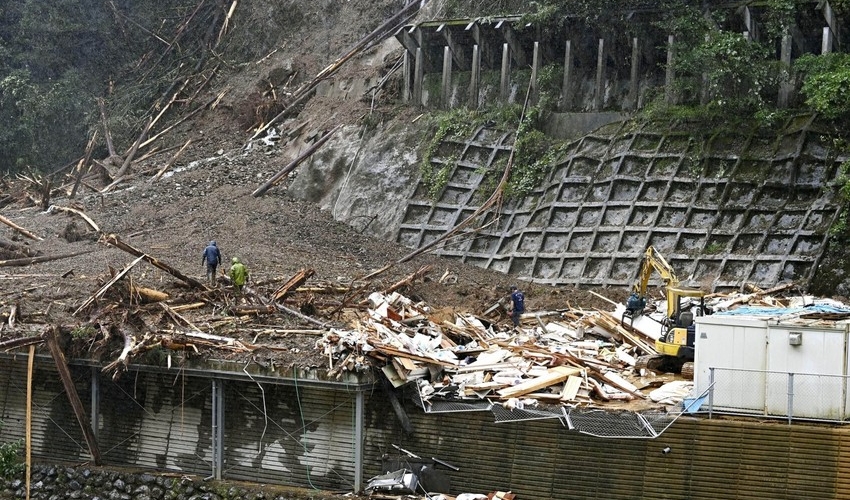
772, 394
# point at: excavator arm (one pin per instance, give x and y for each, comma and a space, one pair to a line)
652, 261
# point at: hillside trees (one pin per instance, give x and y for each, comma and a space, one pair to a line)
57, 57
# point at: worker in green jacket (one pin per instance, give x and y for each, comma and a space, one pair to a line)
238, 274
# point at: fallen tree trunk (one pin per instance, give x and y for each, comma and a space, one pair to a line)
106, 286
113, 240
20, 229
289, 168
15, 248
20, 342
71, 391
37, 260
69, 210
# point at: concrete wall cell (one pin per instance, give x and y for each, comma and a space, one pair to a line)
788, 146
752, 170
727, 146
741, 195
781, 173
539, 218
708, 268
547, 268
643, 216
583, 167
554, 242
673, 217
483, 245
664, 167
581, 242
573, 192
593, 147
633, 241
599, 192
646, 142
623, 269
761, 147
597, 267
812, 172
522, 266
520, 221
674, 144
616, 216
748, 243
454, 195
773, 197
759, 221
777, 244
417, 214
690, 243
563, 217
664, 242
807, 245
590, 216
442, 215
634, 165
789, 221
681, 192
608, 167
530, 241
607, 242
702, 218
465, 173
737, 269
624, 190
765, 269
653, 191
571, 268
709, 194
818, 221
796, 270
508, 244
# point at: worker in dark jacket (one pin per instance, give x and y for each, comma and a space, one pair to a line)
517, 304
212, 259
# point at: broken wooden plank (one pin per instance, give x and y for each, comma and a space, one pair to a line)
85, 217
571, 387
553, 376
292, 284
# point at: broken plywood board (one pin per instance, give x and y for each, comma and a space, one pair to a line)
553, 376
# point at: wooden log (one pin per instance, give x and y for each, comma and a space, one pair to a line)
131, 154
20, 342
98, 294
38, 260
294, 163
553, 376
20, 229
170, 162
115, 241
71, 391
70, 210
148, 295
293, 284
81, 166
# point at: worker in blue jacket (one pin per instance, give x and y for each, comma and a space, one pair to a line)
517, 304
211, 258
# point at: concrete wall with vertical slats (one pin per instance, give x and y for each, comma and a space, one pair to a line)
709, 459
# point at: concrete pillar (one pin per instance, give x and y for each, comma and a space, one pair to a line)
535, 72
785, 87
417, 78
600, 75
95, 401
475, 77
504, 85
635, 73
826, 41
669, 91
566, 101
446, 93
406, 90
217, 428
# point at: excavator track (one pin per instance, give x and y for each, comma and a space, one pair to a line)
660, 363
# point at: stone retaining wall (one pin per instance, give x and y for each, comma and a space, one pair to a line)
49, 482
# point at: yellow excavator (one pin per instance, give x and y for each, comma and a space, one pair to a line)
675, 345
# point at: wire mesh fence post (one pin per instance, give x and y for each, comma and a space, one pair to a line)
710, 391
790, 396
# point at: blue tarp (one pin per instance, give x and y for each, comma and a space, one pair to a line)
783, 311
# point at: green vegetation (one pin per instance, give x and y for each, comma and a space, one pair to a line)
11, 462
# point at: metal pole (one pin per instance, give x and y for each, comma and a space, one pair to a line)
95, 400
358, 442
217, 428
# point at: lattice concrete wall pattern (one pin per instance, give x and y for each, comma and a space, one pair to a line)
723, 209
